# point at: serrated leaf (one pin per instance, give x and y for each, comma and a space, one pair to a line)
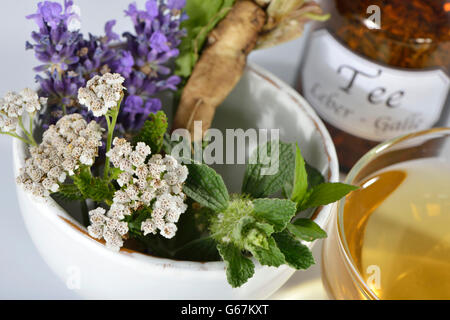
300, 177
68, 192
114, 173
203, 249
306, 229
206, 186
296, 254
93, 188
272, 256
153, 131
258, 185
277, 212
239, 268
324, 194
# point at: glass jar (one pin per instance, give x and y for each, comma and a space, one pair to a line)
378, 69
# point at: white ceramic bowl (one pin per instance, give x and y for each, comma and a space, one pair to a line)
259, 101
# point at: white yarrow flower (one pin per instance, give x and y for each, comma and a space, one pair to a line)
108, 227
102, 93
13, 105
65, 147
157, 183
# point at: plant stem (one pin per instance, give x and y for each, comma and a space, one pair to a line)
108, 147
28, 134
31, 123
17, 137
64, 109
111, 126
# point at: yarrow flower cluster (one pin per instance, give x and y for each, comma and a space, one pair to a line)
66, 146
14, 105
102, 93
107, 226
156, 183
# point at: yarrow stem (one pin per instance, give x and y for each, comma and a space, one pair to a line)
29, 134
17, 137
111, 120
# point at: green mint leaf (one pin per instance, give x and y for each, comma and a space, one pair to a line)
206, 186
203, 249
300, 178
296, 254
270, 256
259, 182
153, 131
203, 17
306, 229
239, 268
324, 194
69, 192
277, 212
242, 228
314, 176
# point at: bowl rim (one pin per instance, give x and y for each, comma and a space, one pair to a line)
62, 220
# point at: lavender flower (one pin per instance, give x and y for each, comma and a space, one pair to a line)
58, 36
144, 62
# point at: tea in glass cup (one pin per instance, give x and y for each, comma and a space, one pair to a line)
391, 238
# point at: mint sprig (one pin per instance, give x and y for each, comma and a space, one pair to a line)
253, 225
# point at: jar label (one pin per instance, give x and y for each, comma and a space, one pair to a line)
367, 99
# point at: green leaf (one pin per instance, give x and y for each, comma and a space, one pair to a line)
93, 188
248, 232
314, 176
296, 254
270, 256
206, 186
324, 194
306, 229
239, 268
203, 17
277, 212
69, 192
114, 173
203, 249
258, 185
153, 131
300, 178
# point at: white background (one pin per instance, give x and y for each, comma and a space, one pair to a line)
23, 273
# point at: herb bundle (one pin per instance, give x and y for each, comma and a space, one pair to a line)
105, 146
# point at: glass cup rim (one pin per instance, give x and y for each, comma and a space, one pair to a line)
372, 154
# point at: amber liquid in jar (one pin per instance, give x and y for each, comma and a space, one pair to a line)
378, 69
